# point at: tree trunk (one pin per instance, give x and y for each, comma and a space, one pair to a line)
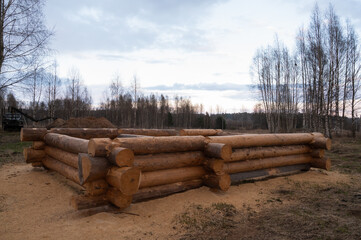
92, 168
265, 152
125, 179
65, 170
39, 145
218, 150
162, 177
160, 161
99, 147
118, 199
87, 133
165, 190
323, 163
122, 157
258, 140
85, 202
32, 155
96, 188
66, 143
32, 134
70, 159
220, 182
246, 166
162, 144
149, 132
199, 132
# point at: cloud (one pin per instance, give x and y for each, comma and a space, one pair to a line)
203, 86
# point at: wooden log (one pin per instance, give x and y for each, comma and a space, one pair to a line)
215, 165
220, 182
32, 134
266, 173
218, 150
70, 159
87, 133
261, 140
165, 190
117, 198
122, 157
162, 144
125, 179
65, 170
131, 136
149, 132
66, 143
322, 142
323, 163
162, 177
39, 145
96, 188
99, 147
37, 164
199, 132
160, 161
318, 153
32, 155
246, 166
92, 168
80, 202
266, 152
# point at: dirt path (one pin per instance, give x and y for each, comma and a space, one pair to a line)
34, 204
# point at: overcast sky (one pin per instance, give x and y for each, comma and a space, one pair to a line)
197, 48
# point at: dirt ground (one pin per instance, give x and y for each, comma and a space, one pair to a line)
34, 204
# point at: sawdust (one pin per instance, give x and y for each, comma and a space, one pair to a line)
34, 204
87, 122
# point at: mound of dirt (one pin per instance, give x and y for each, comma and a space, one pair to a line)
88, 122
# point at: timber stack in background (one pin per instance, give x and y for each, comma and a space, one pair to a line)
121, 166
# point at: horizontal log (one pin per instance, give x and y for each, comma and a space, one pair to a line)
70, 159
92, 168
96, 188
32, 134
322, 142
39, 145
99, 147
84, 202
246, 166
261, 140
160, 161
67, 143
162, 177
125, 179
318, 153
117, 198
199, 132
220, 182
215, 165
162, 144
270, 172
37, 164
218, 150
32, 155
131, 136
122, 157
87, 133
65, 170
165, 190
266, 152
323, 163
149, 132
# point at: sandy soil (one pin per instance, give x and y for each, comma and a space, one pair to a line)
34, 204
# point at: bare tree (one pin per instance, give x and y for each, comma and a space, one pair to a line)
135, 86
23, 39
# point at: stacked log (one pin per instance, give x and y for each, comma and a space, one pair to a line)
273, 154
122, 170
148, 132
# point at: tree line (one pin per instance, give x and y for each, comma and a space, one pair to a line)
320, 78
